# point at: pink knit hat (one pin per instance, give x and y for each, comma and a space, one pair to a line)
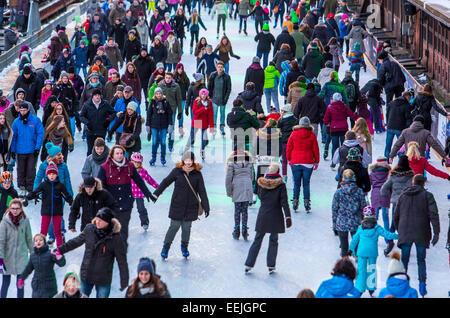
204, 91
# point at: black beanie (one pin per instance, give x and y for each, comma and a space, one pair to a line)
420, 118
106, 214
403, 163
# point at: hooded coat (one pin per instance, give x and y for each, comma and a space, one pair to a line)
339, 286
255, 74
302, 146
99, 254
312, 63
281, 56
265, 41
113, 53
90, 205
184, 204
238, 180
336, 117
347, 207
284, 37
15, 244
397, 285
398, 181
251, 100
296, 91
416, 208
32, 88
203, 117
274, 201
398, 114
321, 32
357, 35
93, 162
311, 106
42, 262
378, 176
424, 102
271, 76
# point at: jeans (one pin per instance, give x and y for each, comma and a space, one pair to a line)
240, 208
194, 38
230, 8
242, 18
284, 161
258, 23
336, 142
191, 140
385, 216
159, 138
5, 286
2, 9
173, 230
278, 15
102, 290
173, 6
227, 67
143, 215
390, 133
256, 246
196, 2
222, 114
72, 124
272, 94
223, 18
375, 112
421, 252
300, 173
171, 66
180, 121
265, 57
356, 68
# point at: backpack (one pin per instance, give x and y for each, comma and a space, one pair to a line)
351, 92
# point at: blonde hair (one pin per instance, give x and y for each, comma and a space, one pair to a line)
413, 150
348, 173
361, 126
71, 280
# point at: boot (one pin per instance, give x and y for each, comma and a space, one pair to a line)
271, 270
202, 154
165, 252
181, 131
295, 204
184, 249
423, 289
152, 162
245, 32
170, 145
245, 232
389, 248
163, 160
222, 130
325, 154
307, 203
191, 50
236, 232
371, 293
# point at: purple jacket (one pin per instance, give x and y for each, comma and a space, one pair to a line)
378, 176
159, 28
78, 85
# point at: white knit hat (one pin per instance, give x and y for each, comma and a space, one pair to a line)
396, 265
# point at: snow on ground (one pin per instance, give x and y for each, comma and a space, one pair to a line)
307, 251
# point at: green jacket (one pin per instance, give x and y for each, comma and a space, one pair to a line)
271, 77
16, 243
151, 91
330, 88
294, 17
172, 92
300, 41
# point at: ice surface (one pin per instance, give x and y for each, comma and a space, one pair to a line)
307, 251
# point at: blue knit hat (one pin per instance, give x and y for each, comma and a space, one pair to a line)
52, 150
146, 264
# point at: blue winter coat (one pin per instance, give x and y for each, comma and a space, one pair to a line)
209, 61
121, 107
337, 287
63, 175
343, 29
399, 288
27, 138
286, 68
80, 55
366, 239
62, 64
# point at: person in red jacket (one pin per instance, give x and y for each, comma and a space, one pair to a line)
336, 118
203, 119
303, 155
419, 164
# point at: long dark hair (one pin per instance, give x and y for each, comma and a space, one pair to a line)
154, 281
6, 124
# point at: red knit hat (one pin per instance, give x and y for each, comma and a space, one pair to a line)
330, 16
52, 168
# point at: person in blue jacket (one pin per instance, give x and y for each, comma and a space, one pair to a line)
397, 284
209, 61
55, 156
121, 106
28, 136
286, 66
341, 284
366, 241
65, 60
80, 54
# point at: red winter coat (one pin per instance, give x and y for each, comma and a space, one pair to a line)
203, 118
419, 165
302, 146
336, 116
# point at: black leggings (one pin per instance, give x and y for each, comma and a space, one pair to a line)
221, 17
194, 35
258, 22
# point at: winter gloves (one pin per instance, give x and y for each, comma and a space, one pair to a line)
206, 214
288, 222
435, 239
57, 254
2, 266
36, 153
20, 283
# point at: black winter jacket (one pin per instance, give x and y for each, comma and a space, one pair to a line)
97, 120
131, 48
158, 53
286, 124
239, 118
184, 204
416, 208
90, 204
284, 37
255, 74
66, 94
390, 75
423, 104
265, 42
119, 31
53, 193
92, 52
320, 31
159, 115
32, 88
373, 89
252, 101
42, 262
398, 114
361, 175
274, 200
150, 294
291, 77
99, 254
311, 106
192, 95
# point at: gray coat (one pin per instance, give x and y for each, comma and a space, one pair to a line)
357, 35
396, 183
174, 54
238, 181
416, 132
15, 244
93, 162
